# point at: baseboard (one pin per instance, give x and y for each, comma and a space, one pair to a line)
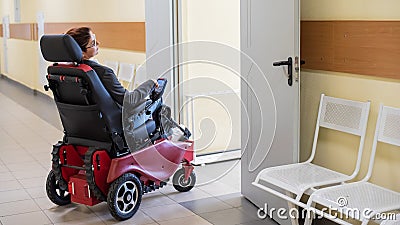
217, 157
25, 88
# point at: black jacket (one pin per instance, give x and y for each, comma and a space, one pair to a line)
114, 87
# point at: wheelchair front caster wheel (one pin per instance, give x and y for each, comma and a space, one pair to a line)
178, 180
56, 194
124, 196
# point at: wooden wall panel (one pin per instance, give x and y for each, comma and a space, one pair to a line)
129, 36
21, 31
118, 35
317, 47
359, 47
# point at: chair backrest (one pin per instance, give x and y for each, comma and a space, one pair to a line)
343, 115
141, 75
387, 131
389, 125
126, 72
114, 65
88, 113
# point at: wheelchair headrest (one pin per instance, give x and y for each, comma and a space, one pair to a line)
60, 48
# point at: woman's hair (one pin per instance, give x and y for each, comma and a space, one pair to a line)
81, 36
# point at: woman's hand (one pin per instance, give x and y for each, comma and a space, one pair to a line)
155, 83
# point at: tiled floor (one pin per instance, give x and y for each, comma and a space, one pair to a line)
28, 129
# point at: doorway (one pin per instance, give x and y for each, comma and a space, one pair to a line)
208, 38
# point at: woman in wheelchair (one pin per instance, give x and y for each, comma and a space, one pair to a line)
92, 163
86, 40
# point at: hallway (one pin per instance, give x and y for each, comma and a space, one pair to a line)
29, 125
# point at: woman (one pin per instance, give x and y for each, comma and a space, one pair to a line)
86, 40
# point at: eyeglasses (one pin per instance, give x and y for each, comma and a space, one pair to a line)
92, 43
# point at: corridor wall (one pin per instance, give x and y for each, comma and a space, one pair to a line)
23, 55
351, 86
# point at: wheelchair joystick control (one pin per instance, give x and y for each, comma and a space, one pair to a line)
159, 90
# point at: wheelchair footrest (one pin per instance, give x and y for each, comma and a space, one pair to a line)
80, 191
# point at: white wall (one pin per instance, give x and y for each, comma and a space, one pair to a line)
82, 11
350, 86
26, 53
350, 10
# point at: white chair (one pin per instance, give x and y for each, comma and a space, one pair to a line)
297, 179
113, 65
141, 75
363, 197
126, 72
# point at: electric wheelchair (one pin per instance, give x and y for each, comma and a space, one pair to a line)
105, 156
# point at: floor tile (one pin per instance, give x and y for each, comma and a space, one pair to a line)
227, 217
228, 171
266, 221
140, 218
52, 136
12, 208
45, 203
38, 147
167, 189
3, 168
13, 127
155, 199
27, 174
206, 205
11, 150
33, 182
192, 220
26, 139
16, 157
46, 165
26, 219
234, 200
43, 156
37, 192
248, 207
217, 188
69, 213
14, 195
26, 166
191, 195
85, 221
102, 211
6, 176
10, 185
173, 211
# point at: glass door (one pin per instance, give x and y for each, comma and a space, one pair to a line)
208, 54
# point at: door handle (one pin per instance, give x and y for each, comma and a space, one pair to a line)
288, 63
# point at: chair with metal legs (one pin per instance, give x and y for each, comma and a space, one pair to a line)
363, 200
295, 180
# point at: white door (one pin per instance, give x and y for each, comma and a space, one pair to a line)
270, 110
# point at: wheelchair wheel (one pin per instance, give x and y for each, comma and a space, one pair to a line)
124, 196
56, 194
178, 180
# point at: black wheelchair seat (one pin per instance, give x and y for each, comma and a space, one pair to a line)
88, 113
